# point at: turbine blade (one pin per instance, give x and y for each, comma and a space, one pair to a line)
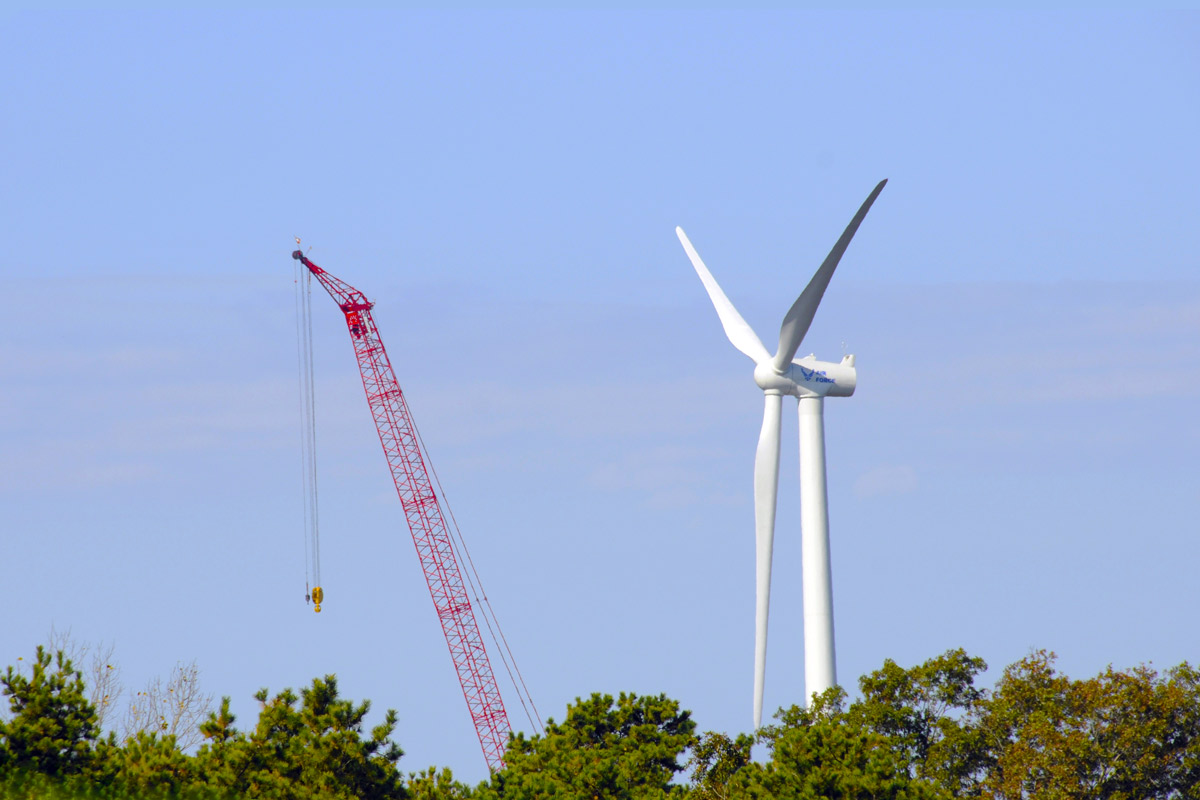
766, 489
742, 335
800, 315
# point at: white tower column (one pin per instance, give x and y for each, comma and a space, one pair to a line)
820, 665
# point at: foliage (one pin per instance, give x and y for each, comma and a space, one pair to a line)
926, 732
1039, 734
1129, 734
145, 764
52, 725
315, 750
623, 749
437, 785
715, 760
824, 753
921, 712
301, 748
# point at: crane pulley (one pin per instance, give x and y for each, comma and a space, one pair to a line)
436, 541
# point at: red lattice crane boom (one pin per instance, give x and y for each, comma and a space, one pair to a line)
402, 448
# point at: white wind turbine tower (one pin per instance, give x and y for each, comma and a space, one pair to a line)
810, 381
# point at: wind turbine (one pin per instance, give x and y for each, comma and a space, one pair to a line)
810, 382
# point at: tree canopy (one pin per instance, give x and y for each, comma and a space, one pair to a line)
53, 725
926, 732
623, 749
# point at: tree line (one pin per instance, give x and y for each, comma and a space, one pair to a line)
927, 732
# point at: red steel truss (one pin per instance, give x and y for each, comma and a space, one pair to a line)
398, 436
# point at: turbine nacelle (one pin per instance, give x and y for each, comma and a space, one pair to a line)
808, 377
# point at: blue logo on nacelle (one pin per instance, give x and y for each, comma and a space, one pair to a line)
816, 376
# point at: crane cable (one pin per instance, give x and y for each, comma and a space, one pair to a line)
490, 619
308, 437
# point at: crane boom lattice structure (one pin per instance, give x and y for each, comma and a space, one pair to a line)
423, 511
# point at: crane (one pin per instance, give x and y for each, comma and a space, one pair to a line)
410, 471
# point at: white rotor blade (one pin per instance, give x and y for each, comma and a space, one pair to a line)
800, 315
742, 335
766, 488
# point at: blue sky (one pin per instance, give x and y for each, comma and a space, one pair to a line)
1017, 469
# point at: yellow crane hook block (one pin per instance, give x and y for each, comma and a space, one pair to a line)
317, 596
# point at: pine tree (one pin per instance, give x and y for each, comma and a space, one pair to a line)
53, 726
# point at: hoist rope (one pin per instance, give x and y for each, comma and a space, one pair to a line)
300, 395
308, 429
312, 438
489, 614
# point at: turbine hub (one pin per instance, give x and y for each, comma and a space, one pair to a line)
771, 381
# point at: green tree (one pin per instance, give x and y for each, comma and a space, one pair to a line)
316, 750
715, 761
144, 765
924, 712
823, 753
627, 749
432, 784
52, 727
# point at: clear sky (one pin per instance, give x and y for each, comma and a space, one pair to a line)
1017, 470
